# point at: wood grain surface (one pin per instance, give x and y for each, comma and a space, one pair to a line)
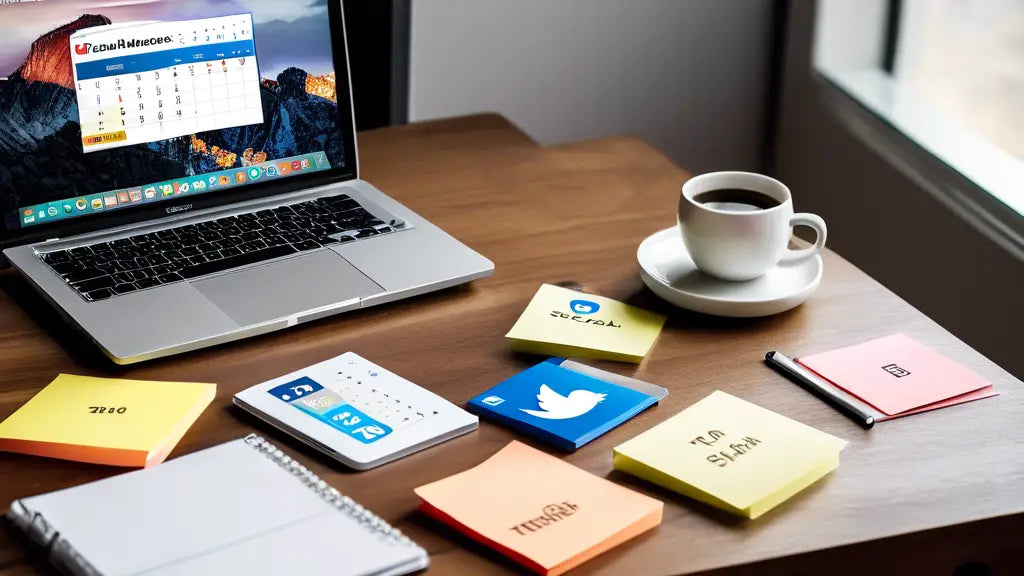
926, 493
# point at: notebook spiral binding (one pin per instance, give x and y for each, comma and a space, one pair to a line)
347, 505
61, 553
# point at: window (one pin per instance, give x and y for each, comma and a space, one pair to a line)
967, 57
948, 74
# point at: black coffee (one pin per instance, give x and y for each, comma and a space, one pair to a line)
736, 200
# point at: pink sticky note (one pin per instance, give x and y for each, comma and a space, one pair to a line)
897, 374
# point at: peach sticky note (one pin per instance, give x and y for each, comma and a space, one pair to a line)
539, 510
105, 421
899, 376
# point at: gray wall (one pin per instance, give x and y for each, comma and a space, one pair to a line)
690, 76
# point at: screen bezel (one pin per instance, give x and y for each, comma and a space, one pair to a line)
117, 218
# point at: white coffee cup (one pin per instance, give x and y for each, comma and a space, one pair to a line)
732, 244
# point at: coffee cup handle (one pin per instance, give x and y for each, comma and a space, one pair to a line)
812, 221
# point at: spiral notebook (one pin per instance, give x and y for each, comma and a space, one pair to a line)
243, 507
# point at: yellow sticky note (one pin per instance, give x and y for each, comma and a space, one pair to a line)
105, 421
563, 322
732, 454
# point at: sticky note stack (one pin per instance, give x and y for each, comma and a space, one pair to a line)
563, 322
731, 454
105, 421
546, 514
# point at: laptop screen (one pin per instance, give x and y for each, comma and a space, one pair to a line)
113, 105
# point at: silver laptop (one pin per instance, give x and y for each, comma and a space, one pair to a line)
178, 175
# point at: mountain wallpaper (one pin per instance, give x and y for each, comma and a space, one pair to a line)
41, 156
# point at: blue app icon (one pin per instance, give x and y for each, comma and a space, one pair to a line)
584, 306
560, 406
296, 389
271, 170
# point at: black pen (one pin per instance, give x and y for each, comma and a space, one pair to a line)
810, 382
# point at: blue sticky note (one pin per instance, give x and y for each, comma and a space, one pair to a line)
559, 406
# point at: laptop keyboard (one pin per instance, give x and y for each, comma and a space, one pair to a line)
100, 271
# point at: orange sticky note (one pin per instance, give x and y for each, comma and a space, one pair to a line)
540, 511
105, 421
899, 376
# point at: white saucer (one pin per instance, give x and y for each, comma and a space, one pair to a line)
666, 268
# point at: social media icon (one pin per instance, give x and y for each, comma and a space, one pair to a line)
122, 197
166, 189
271, 170
30, 219
584, 306
81, 204
82, 49
110, 201
239, 177
296, 165
184, 187
41, 214
51, 211
554, 406
28, 212
305, 163
150, 192
199, 185
68, 208
97, 203
284, 167
212, 180
255, 173
493, 400
223, 180
135, 194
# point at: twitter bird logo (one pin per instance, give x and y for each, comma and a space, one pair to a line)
554, 406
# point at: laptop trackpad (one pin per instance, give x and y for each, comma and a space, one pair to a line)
287, 287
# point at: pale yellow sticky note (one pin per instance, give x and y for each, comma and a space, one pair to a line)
105, 421
731, 454
563, 322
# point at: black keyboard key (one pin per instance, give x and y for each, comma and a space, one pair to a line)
124, 288
324, 241
385, 229
101, 247
66, 267
163, 269
58, 257
147, 283
101, 294
168, 278
157, 259
345, 238
236, 261
83, 274
173, 255
80, 251
138, 274
366, 232
200, 259
229, 252
123, 278
122, 243
94, 284
343, 205
189, 251
249, 236
307, 245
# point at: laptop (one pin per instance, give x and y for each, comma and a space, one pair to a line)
175, 175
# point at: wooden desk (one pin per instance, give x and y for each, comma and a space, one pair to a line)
577, 213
